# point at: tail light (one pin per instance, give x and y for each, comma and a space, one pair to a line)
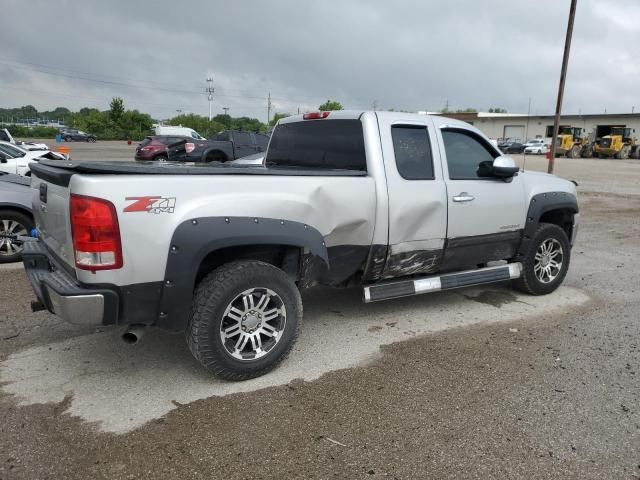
189, 147
315, 115
96, 234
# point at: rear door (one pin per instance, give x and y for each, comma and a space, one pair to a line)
485, 214
243, 144
417, 195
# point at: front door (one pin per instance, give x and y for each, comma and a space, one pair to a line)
486, 215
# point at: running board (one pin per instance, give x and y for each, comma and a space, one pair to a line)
467, 278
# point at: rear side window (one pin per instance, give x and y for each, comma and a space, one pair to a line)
145, 142
242, 138
468, 156
318, 144
412, 151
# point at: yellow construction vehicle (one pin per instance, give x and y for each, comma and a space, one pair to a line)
572, 143
619, 144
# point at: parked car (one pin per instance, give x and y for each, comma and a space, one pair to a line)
156, 147
222, 147
5, 136
16, 218
73, 135
536, 146
512, 147
16, 160
347, 198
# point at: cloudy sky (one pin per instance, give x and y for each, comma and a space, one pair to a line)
402, 54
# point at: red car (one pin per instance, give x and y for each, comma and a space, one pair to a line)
155, 148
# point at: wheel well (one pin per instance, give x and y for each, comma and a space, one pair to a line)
213, 153
17, 208
562, 217
282, 256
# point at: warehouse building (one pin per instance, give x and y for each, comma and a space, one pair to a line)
520, 127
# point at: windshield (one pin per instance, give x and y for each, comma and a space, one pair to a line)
13, 152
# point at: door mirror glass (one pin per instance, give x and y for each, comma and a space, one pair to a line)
504, 167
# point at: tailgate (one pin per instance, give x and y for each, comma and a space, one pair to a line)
50, 199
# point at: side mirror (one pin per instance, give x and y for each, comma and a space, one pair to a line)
504, 167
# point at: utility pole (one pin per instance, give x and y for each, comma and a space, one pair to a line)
210, 91
563, 75
268, 108
374, 105
226, 110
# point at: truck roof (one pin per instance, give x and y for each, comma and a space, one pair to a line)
356, 114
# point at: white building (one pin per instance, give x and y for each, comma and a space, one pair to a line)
521, 126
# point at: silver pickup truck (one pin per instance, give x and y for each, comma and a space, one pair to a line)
399, 204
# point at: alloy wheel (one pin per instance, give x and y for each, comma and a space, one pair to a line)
253, 323
10, 230
548, 260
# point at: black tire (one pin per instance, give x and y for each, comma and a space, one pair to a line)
573, 152
161, 158
6, 247
216, 293
636, 153
587, 151
529, 281
92, 140
623, 154
67, 139
216, 157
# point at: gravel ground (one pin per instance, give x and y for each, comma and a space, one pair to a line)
545, 392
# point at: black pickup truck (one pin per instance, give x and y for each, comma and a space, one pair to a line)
224, 146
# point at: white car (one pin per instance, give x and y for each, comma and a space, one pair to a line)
537, 145
14, 159
5, 136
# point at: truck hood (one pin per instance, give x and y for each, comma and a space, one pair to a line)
539, 182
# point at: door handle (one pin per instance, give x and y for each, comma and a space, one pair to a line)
463, 197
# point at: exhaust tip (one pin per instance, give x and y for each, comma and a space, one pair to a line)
130, 338
133, 334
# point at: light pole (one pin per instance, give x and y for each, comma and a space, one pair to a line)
563, 75
210, 91
226, 110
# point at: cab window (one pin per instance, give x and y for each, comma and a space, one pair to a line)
412, 151
468, 155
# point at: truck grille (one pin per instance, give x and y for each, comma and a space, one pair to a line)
605, 142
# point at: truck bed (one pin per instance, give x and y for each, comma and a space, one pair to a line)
62, 170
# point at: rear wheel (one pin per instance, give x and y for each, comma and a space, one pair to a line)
573, 152
216, 157
13, 224
623, 154
546, 263
245, 319
161, 158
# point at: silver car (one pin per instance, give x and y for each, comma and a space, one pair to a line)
16, 218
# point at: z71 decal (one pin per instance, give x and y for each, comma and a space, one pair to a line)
151, 204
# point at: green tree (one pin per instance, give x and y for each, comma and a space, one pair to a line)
497, 110
277, 117
330, 105
116, 109
223, 119
200, 124
467, 110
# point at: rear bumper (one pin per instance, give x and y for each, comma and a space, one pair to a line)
61, 294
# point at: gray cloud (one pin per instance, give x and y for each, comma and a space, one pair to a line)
413, 55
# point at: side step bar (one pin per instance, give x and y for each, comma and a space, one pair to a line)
467, 278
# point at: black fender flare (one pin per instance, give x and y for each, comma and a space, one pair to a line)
538, 206
196, 238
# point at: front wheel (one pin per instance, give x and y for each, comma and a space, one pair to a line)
245, 319
545, 264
